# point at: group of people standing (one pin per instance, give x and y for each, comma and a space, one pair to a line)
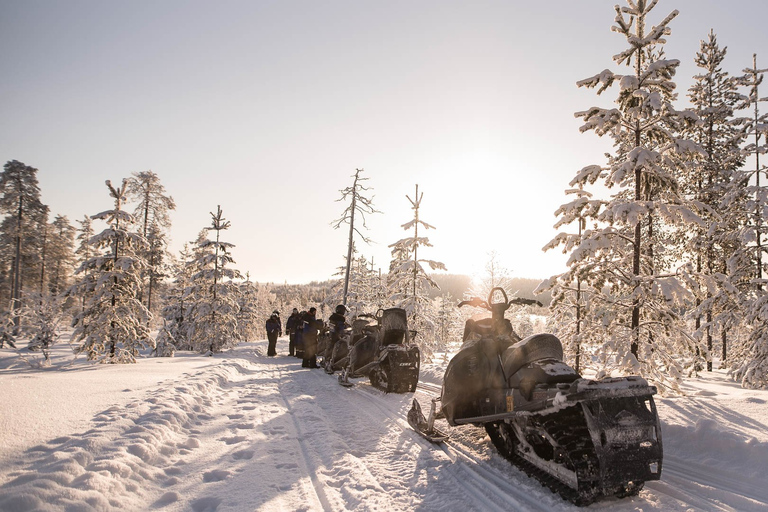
303, 332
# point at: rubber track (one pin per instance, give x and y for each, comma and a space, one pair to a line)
569, 429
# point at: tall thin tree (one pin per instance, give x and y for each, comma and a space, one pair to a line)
361, 205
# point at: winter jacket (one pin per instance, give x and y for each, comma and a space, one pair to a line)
293, 322
273, 324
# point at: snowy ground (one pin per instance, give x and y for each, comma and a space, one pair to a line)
241, 431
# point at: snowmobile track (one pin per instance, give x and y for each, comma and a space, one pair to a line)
321, 496
483, 484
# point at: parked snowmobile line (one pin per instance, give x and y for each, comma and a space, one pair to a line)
581, 438
385, 354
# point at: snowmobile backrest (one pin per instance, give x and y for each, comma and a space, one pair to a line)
533, 348
484, 328
359, 324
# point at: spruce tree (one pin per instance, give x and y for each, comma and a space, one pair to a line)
409, 282
712, 175
751, 364
213, 315
112, 328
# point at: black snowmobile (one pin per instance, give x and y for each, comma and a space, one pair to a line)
582, 438
385, 354
337, 356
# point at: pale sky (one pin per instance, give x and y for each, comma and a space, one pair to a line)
268, 107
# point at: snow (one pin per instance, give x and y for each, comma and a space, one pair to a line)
241, 431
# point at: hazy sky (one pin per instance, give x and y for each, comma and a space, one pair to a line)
267, 108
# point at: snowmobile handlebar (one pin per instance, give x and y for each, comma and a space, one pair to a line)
502, 306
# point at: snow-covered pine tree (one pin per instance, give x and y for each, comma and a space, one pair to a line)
112, 328
153, 220
20, 201
84, 251
176, 302
711, 177
213, 315
632, 278
61, 254
409, 282
571, 297
751, 361
42, 319
449, 327
248, 323
358, 205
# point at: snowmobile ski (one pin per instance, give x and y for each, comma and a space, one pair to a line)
344, 379
423, 426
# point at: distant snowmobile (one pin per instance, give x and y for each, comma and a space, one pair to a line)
385, 354
582, 438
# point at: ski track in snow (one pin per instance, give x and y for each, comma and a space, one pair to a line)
258, 433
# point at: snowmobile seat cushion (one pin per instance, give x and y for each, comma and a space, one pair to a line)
531, 349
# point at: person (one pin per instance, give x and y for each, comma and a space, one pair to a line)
291, 325
274, 329
309, 335
299, 343
336, 322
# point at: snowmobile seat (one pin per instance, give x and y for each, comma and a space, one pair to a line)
531, 349
544, 371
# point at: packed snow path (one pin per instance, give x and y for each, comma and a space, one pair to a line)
249, 432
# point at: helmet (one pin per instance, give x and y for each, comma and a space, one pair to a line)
341, 309
276, 313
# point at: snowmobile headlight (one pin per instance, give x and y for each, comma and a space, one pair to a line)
646, 444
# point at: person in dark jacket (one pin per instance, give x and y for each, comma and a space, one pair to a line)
291, 325
336, 323
309, 334
274, 329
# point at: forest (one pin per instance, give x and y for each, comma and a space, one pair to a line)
666, 275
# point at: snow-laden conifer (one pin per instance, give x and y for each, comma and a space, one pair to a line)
152, 213
213, 313
61, 250
408, 281
176, 303
248, 318
112, 328
634, 291
751, 360
20, 201
713, 180
42, 322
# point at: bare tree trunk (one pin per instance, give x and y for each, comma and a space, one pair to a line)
351, 241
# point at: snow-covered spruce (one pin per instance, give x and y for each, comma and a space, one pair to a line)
213, 307
112, 327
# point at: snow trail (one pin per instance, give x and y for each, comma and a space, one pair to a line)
241, 431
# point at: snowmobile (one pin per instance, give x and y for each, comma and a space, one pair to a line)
385, 354
582, 438
338, 358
